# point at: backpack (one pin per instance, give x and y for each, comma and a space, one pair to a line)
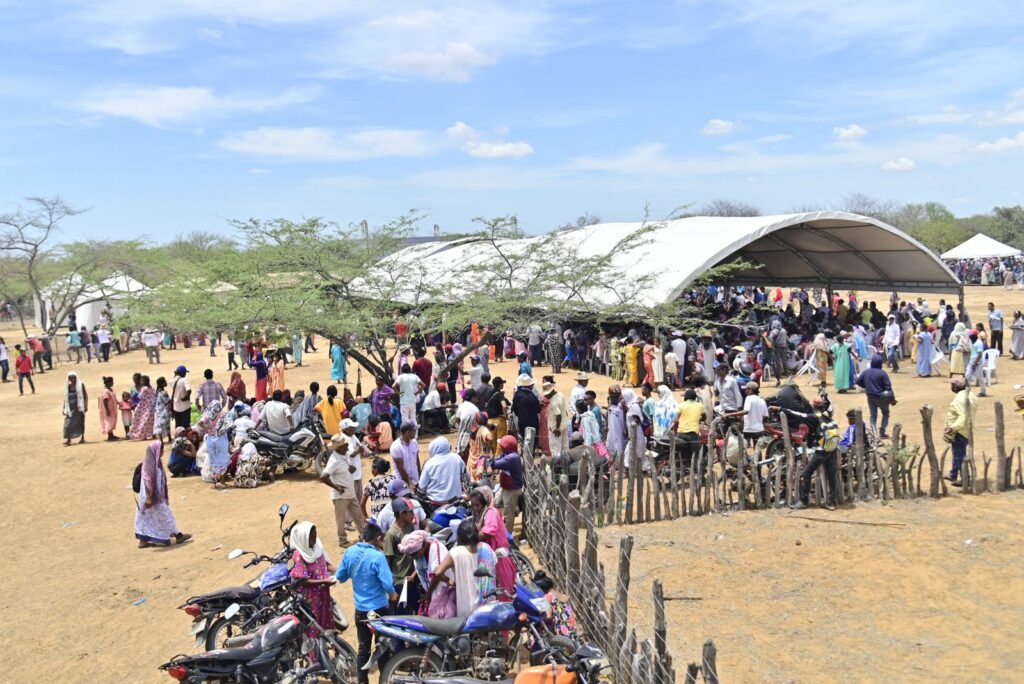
829, 434
137, 479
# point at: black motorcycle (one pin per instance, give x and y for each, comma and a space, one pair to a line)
209, 625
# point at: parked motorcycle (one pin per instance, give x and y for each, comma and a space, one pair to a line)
264, 656
411, 646
304, 447
209, 625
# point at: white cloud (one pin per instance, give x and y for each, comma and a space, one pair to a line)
1002, 144
849, 133
450, 41
755, 145
948, 115
1012, 114
718, 127
469, 141
899, 164
167, 105
321, 144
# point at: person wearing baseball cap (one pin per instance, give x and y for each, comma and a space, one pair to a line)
181, 399
397, 489
339, 474
510, 463
755, 411
403, 565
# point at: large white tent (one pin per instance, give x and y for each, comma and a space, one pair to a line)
830, 249
981, 246
110, 294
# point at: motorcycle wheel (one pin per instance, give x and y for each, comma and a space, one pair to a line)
406, 664
220, 631
320, 462
523, 565
343, 659
564, 647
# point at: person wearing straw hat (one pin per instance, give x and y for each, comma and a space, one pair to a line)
579, 392
526, 405
338, 474
558, 420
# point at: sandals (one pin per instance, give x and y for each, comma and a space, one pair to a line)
182, 537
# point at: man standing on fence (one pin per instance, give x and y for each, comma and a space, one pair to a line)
959, 420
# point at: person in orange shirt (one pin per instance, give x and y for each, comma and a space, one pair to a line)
23, 365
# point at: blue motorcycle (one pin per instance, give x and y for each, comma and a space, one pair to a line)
410, 646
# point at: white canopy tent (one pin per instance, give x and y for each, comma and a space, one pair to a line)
831, 249
110, 294
981, 246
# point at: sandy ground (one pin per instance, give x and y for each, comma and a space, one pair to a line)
850, 602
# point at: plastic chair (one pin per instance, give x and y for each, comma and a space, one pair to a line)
989, 357
809, 367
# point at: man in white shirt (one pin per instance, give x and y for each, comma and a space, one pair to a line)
579, 392
679, 349
729, 395
356, 451
534, 339
475, 372
181, 399
755, 411
398, 490
408, 385
338, 475
103, 337
278, 415
151, 339
434, 417
892, 340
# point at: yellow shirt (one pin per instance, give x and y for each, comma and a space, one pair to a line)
690, 413
331, 414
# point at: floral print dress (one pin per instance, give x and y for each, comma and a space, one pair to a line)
162, 414
319, 596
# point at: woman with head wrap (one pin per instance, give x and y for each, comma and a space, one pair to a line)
162, 411
75, 406
310, 562
665, 412
616, 437
154, 522
236, 387
1017, 338
262, 374
925, 347
493, 532
214, 423
183, 455
144, 416
634, 417
821, 351
959, 349
429, 553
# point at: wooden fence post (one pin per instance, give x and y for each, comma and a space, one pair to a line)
863, 488
790, 459
572, 536
663, 663
927, 412
1002, 467
632, 430
709, 670
620, 614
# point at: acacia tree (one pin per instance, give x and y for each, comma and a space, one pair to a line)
64, 276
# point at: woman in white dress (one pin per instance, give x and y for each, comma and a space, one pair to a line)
154, 522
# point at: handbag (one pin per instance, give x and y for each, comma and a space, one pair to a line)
601, 449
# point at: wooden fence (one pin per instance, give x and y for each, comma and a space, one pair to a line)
630, 494
555, 518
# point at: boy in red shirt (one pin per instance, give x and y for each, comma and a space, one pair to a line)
23, 364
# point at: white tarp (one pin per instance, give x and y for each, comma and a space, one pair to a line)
981, 246
844, 250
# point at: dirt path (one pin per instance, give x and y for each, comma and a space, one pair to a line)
78, 588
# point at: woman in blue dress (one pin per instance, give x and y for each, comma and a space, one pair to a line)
925, 349
339, 371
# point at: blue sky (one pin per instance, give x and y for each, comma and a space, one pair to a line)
176, 115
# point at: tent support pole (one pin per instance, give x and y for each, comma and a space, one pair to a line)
961, 293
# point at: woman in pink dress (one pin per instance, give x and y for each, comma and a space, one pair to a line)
649, 365
145, 412
108, 409
310, 561
495, 534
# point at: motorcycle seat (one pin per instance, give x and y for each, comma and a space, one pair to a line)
442, 627
274, 436
243, 593
242, 654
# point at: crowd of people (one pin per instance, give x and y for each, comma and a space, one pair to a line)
1005, 271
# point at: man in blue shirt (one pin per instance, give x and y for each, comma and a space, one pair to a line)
373, 587
976, 364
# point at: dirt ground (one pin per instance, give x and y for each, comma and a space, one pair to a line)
848, 603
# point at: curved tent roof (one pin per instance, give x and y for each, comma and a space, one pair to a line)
846, 251
981, 246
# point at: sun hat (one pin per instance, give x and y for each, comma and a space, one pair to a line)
524, 381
